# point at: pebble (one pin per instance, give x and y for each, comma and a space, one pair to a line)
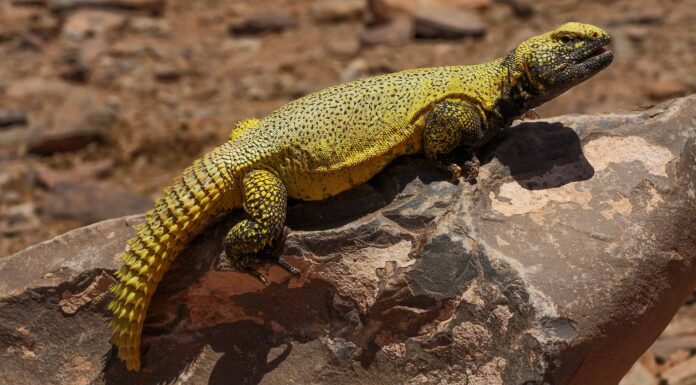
337, 10
257, 23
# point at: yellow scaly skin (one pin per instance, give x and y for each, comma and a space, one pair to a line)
337, 138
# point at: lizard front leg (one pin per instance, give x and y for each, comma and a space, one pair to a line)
450, 124
265, 202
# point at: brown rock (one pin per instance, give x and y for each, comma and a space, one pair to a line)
441, 22
256, 23
170, 71
89, 23
388, 9
90, 201
337, 10
346, 46
356, 69
664, 86
509, 281
82, 117
51, 178
665, 347
11, 117
72, 66
154, 7
522, 8
148, 25
18, 218
395, 32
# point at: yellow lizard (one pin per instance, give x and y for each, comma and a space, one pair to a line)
329, 141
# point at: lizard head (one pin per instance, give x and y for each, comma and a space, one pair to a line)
558, 60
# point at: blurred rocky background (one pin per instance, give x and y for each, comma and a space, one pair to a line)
104, 102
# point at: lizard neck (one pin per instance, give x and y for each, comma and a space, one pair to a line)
518, 91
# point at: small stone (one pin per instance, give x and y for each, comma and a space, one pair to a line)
637, 33
168, 72
675, 359
468, 4
89, 201
681, 374
154, 7
448, 23
89, 23
663, 348
50, 178
664, 87
11, 117
337, 10
346, 46
639, 16
522, 8
397, 31
82, 117
72, 66
356, 69
257, 23
148, 25
19, 218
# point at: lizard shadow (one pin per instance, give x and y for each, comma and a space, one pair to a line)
537, 155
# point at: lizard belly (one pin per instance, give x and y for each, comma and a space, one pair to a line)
324, 182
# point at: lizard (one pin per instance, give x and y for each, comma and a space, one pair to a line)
332, 140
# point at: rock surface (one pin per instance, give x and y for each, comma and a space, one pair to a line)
560, 266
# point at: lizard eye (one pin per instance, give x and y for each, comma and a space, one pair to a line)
565, 39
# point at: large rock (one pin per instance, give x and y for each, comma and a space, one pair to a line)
560, 266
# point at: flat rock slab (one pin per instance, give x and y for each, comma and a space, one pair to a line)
561, 265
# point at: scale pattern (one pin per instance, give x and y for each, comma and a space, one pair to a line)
330, 141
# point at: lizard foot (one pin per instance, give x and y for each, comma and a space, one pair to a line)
471, 170
243, 263
456, 172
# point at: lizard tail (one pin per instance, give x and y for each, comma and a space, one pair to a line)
203, 192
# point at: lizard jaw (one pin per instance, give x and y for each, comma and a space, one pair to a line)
595, 54
589, 60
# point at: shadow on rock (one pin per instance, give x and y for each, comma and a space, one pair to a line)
540, 155
367, 198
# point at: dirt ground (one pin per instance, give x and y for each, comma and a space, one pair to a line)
103, 103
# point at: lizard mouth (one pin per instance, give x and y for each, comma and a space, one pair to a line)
591, 59
594, 54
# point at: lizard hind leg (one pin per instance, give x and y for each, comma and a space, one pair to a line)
265, 203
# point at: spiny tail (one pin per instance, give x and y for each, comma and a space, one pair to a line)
203, 192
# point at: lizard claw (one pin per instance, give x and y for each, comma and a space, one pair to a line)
287, 266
